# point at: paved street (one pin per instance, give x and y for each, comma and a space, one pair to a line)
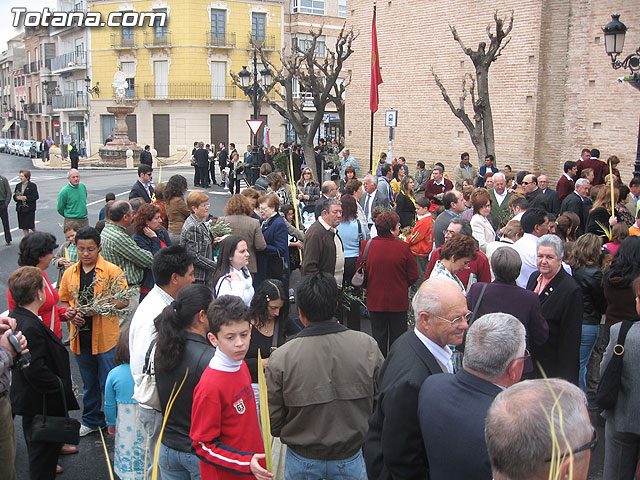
90, 462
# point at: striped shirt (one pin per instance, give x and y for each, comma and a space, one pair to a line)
198, 241
121, 250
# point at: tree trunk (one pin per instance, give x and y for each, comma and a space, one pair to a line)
310, 157
482, 79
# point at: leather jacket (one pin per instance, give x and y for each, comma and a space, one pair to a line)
196, 356
595, 304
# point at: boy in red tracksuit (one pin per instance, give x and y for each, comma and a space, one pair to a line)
224, 421
421, 238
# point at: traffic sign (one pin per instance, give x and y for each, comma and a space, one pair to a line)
56, 124
255, 125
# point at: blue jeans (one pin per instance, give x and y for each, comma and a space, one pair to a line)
587, 342
175, 465
93, 370
300, 468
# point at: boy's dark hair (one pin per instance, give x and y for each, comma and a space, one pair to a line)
109, 197
531, 218
88, 233
422, 201
170, 260
317, 297
521, 203
226, 310
568, 165
420, 164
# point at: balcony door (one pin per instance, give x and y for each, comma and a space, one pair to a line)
161, 134
218, 78
161, 71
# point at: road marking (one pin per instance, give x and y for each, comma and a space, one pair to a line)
17, 228
98, 201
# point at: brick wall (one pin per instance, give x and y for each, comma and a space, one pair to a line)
552, 90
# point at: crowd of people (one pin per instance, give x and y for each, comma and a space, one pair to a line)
494, 303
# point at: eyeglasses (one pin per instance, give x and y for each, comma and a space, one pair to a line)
526, 356
462, 318
448, 232
587, 446
526, 183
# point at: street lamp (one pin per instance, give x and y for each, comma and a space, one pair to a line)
614, 33
254, 91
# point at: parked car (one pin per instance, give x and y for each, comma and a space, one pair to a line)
16, 146
36, 149
25, 148
3, 144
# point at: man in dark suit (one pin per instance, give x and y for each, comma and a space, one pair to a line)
534, 195
223, 156
576, 202
394, 447
143, 188
454, 204
452, 408
145, 156
566, 183
202, 160
329, 190
553, 199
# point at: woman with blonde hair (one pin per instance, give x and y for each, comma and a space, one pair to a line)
603, 215
308, 190
406, 202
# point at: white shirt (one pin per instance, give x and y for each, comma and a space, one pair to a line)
370, 198
500, 198
518, 216
568, 176
442, 355
142, 330
242, 288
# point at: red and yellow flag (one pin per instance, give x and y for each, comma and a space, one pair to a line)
376, 76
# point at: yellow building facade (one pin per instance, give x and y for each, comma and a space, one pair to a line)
178, 75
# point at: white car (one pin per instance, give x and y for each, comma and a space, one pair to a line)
15, 147
25, 148
3, 144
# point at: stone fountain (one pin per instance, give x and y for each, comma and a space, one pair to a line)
114, 153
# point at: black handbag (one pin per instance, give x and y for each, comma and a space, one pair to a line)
53, 429
607, 394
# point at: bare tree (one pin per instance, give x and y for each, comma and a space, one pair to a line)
317, 75
481, 128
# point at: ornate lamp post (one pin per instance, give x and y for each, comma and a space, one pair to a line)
614, 33
254, 91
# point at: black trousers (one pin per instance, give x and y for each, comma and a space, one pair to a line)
212, 167
4, 215
196, 176
352, 316
43, 457
204, 176
387, 327
74, 164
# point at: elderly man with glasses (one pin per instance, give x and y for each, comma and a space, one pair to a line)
494, 359
394, 446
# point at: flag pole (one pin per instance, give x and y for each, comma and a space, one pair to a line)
372, 112
376, 79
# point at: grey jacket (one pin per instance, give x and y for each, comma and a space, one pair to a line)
323, 416
626, 414
5, 191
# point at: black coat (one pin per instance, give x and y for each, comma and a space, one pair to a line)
394, 446
49, 361
452, 411
152, 245
594, 302
223, 157
139, 191
406, 210
537, 199
195, 358
599, 215
146, 158
31, 192
561, 302
574, 203
553, 200
74, 155
202, 157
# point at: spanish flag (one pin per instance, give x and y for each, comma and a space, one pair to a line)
376, 76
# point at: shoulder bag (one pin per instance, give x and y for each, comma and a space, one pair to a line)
54, 429
607, 394
145, 391
360, 277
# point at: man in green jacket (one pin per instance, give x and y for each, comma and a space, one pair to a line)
5, 198
72, 200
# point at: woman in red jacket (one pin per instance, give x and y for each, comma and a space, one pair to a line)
391, 270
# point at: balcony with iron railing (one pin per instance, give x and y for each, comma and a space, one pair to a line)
268, 42
216, 40
34, 67
189, 91
68, 101
157, 39
120, 42
69, 61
